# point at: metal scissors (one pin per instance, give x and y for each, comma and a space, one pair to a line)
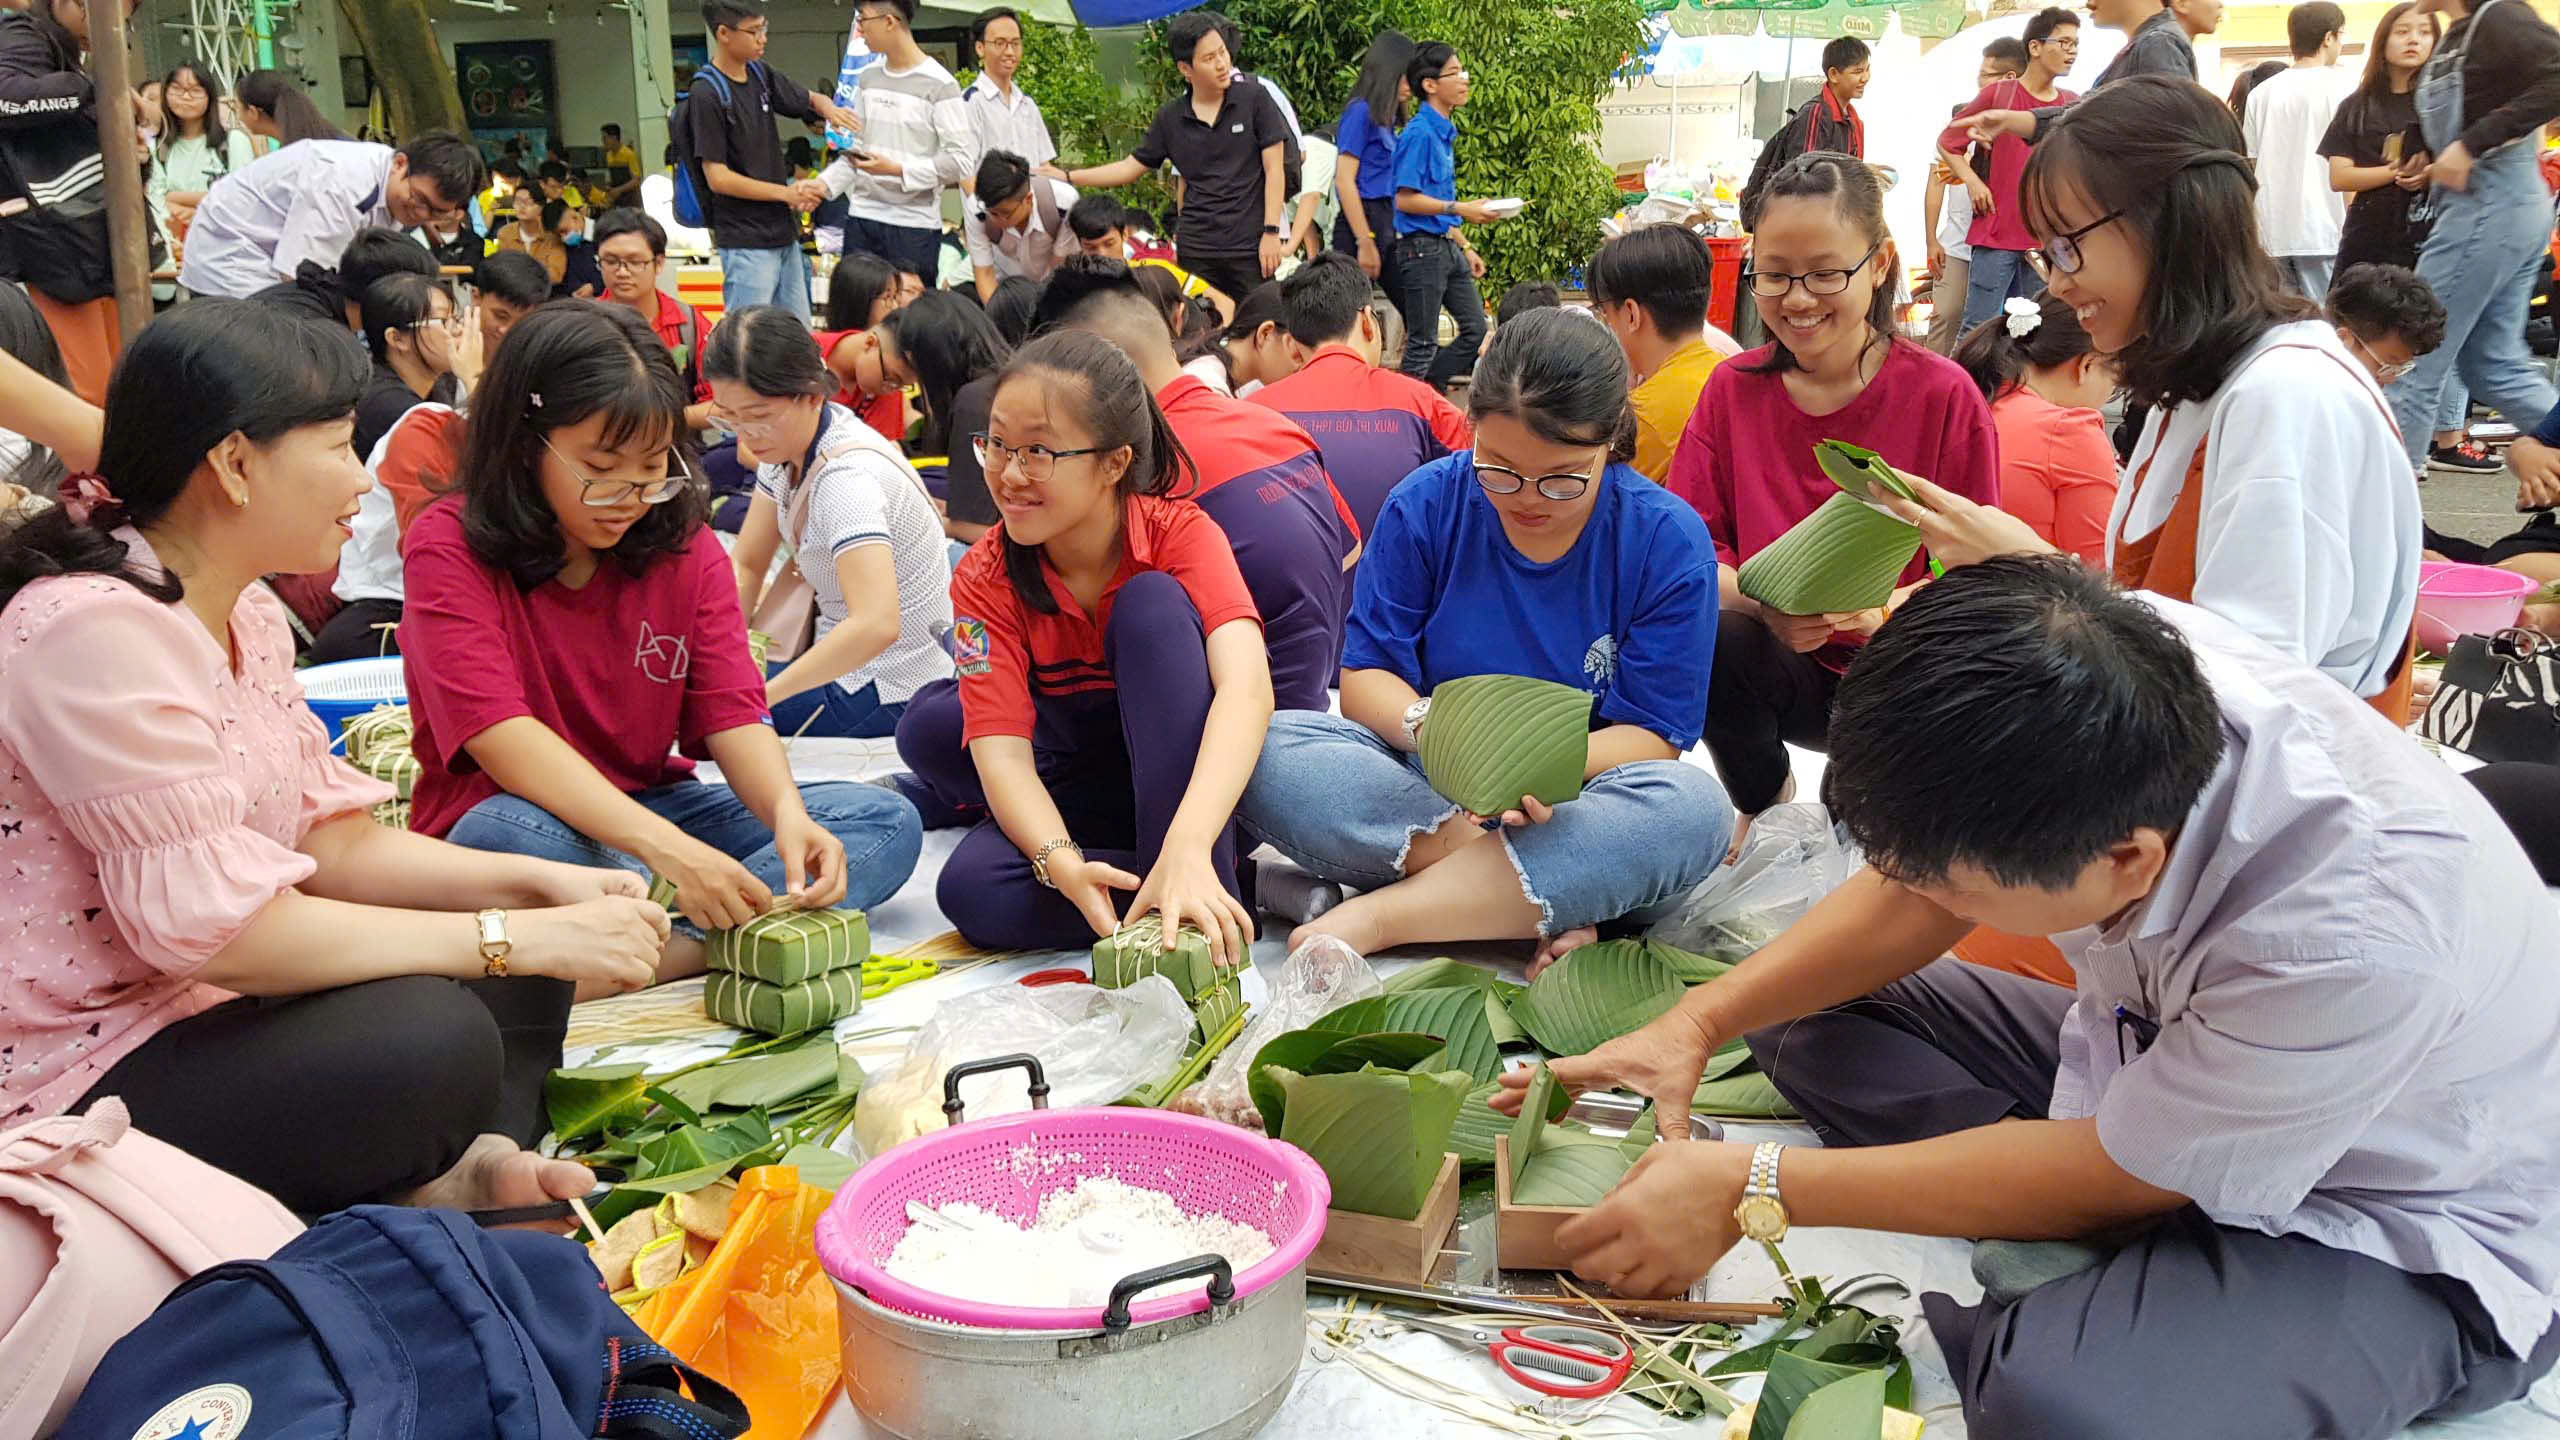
1571, 1362
884, 973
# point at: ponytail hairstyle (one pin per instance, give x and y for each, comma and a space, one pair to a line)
197, 375
1998, 357
561, 364
1859, 198
1098, 384
770, 351
1562, 374
291, 107
1011, 308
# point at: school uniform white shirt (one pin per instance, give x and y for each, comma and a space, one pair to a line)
303, 202
2350, 964
1955, 222
861, 491
2310, 530
916, 118
1035, 249
369, 565
2298, 211
1008, 121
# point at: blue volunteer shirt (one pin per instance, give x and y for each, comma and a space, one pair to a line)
1629, 613
1427, 160
1362, 138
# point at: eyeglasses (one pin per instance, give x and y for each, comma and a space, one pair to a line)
1503, 480
1774, 284
1454, 72
994, 44
449, 324
2064, 249
2387, 374
1038, 462
605, 494
181, 88
622, 265
862, 18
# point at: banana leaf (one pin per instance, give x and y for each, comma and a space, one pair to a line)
1138, 950
1732, 1055
1816, 1400
1479, 1124
819, 1166
1379, 1134
1457, 1016
1594, 995
1492, 739
1845, 556
776, 1078
1448, 974
596, 1100
1551, 1166
1323, 1052
1747, 1095
1858, 470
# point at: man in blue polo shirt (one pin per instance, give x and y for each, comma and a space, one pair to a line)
1439, 268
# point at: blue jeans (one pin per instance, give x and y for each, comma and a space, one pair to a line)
1435, 276
1343, 806
2308, 275
840, 714
881, 834
2484, 257
1998, 276
765, 277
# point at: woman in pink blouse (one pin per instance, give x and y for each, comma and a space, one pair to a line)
2045, 381
202, 918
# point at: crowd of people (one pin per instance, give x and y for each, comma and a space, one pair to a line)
1151, 560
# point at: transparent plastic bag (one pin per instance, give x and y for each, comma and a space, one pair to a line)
1792, 859
1317, 979
1095, 1046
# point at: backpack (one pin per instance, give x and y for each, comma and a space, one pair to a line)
693, 189
388, 1323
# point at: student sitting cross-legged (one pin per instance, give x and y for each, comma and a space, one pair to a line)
1540, 553
572, 624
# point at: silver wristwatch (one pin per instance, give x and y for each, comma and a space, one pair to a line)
1413, 714
1762, 1215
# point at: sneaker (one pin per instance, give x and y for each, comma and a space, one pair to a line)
2468, 458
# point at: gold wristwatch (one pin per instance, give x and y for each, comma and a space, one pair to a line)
1762, 1213
495, 947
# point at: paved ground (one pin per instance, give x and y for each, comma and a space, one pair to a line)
2471, 507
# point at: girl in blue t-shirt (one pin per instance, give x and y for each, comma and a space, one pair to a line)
1538, 553
1365, 227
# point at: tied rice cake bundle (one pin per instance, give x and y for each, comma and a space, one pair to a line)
1217, 1007
750, 1004
788, 947
1847, 555
1491, 740
1138, 950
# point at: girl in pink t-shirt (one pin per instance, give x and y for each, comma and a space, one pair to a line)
2046, 380
203, 920
572, 625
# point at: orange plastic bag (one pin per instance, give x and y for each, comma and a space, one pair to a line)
759, 1315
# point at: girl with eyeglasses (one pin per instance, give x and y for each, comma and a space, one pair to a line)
572, 624
1098, 583
2269, 486
413, 332
1823, 276
1540, 552
862, 531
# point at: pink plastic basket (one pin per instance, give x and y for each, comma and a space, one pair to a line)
2456, 600
1009, 1164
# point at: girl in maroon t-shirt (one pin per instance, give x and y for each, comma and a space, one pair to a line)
1094, 583
573, 624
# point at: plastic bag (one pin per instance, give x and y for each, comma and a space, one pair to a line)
1791, 860
759, 1315
1095, 1046
1317, 979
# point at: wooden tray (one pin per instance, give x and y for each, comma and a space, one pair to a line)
1373, 1247
1524, 1235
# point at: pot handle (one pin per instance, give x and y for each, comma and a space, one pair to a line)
1222, 1285
952, 1077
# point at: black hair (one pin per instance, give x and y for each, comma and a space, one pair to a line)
1997, 359
376, 251
510, 167
2250, 79
1664, 269
627, 221
2162, 152
946, 342
562, 364
395, 302
25, 336
1101, 383
1322, 301
514, 277
2020, 716
2009, 51
2309, 25
770, 351
718, 15
1844, 53
1011, 308
1429, 58
2377, 66
452, 163
1094, 216
1526, 296
1382, 78
554, 170
798, 153
1183, 36
195, 376
283, 97
2040, 28
2379, 301
1083, 280
978, 27
1203, 334
216, 138
860, 280
1859, 198
1001, 176
906, 11
553, 212
1561, 374
907, 265
613, 130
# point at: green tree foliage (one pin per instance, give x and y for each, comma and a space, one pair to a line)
1093, 119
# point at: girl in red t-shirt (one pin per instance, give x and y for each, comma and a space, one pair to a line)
1094, 583
863, 291
574, 624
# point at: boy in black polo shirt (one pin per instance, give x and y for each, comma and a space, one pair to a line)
1228, 141
750, 200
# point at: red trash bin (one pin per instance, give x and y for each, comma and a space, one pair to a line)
1728, 251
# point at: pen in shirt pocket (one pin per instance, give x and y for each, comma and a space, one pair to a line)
2145, 1030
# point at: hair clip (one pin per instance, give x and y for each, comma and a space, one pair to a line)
85, 495
534, 399
2024, 316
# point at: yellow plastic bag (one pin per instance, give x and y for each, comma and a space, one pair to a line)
759, 1315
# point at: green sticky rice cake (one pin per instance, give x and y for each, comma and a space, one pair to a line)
734, 999
1138, 950
786, 947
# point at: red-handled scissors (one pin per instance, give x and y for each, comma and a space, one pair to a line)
1571, 1362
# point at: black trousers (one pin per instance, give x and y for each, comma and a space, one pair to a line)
351, 634
2527, 797
1433, 277
2190, 1329
1760, 697
348, 1096
1382, 226
1233, 276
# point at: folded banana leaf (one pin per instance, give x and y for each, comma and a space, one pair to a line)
1492, 739
786, 947
750, 1004
1138, 950
1551, 1165
1379, 1134
1846, 555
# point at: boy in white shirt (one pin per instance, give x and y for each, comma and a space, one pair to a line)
2299, 212
915, 139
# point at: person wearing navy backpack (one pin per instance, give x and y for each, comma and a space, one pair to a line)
731, 150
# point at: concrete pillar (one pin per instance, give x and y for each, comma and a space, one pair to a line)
653, 80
